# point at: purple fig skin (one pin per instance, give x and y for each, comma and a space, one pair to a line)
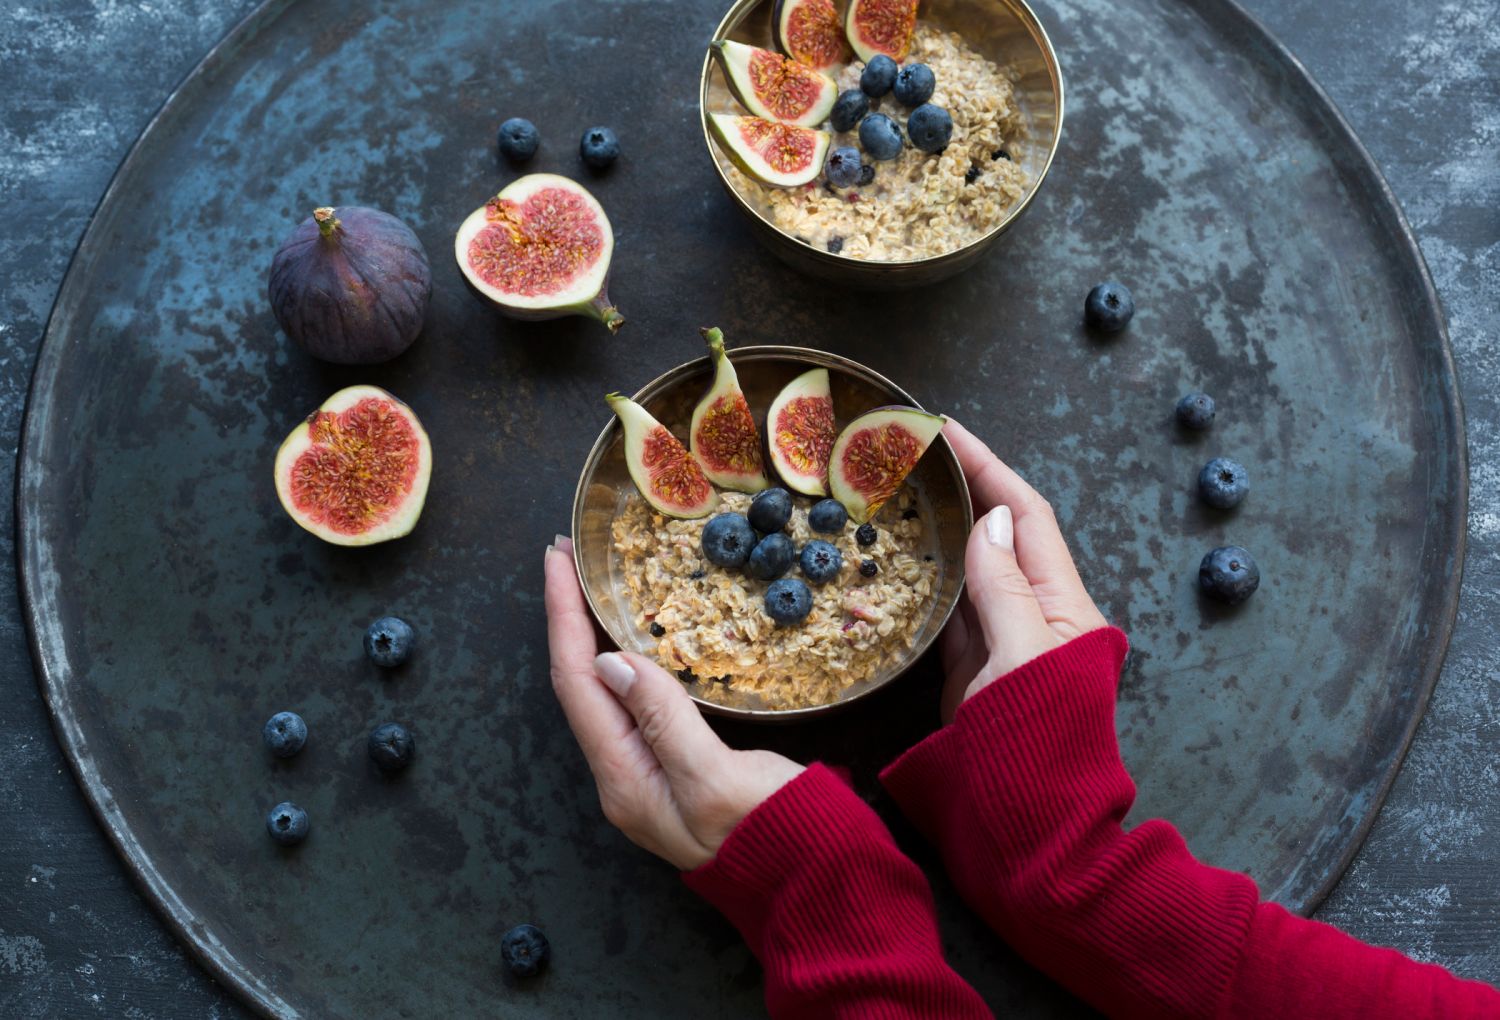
350, 285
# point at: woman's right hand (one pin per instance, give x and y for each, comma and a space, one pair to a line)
1023, 595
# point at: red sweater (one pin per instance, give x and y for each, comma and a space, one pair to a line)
1024, 793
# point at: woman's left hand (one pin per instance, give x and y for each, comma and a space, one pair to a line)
665, 778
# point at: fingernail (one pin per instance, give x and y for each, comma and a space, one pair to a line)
550, 550
616, 673
558, 540
1000, 528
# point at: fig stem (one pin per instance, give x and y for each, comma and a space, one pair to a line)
607, 313
327, 222
713, 334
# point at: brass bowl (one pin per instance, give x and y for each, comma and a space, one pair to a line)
605, 484
1006, 32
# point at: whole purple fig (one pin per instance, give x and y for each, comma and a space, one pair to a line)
351, 288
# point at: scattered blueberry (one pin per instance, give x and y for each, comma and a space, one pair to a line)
771, 557
518, 139
657, 630
389, 641
868, 568
1229, 574
599, 147
914, 85
827, 516
866, 175
287, 823
835, 245
971, 175
999, 154
284, 733
821, 561
1108, 307
390, 747
878, 76
525, 950
727, 540
880, 136
1222, 483
842, 167
1195, 411
865, 534
687, 676
849, 110
929, 128
697, 575
788, 600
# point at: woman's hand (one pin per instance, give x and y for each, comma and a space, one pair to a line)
1023, 595
665, 779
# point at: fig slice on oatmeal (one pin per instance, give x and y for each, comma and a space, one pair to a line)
661, 467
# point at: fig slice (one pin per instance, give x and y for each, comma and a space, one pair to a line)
661, 467
356, 471
801, 432
540, 250
776, 154
875, 453
810, 33
775, 87
723, 437
880, 26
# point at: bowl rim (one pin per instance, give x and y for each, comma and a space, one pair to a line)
813, 358
737, 12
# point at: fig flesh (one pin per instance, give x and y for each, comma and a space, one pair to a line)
541, 249
661, 467
775, 87
350, 285
801, 432
723, 437
356, 471
875, 453
809, 32
880, 26
776, 154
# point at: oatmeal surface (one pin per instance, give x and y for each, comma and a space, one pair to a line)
712, 620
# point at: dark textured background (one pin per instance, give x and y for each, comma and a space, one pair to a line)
1419, 82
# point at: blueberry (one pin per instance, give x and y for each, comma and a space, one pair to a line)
599, 147
865, 534
929, 128
878, 76
1222, 483
1195, 411
788, 600
391, 746
771, 557
389, 641
868, 568
727, 540
835, 245
866, 175
842, 167
284, 733
849, 110
518, 139
827, 516
971, 175
1108, 307
1229, 574
880, 136
657, 630
821, 561
287, 823
914, 85
525, 950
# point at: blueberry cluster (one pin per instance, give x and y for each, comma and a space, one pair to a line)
929, 127
519, 140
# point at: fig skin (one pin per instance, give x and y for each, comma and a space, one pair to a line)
350, 285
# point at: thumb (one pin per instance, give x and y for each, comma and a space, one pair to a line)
1007, 610
668, 720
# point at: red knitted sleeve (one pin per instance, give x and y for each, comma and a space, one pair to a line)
841, 920
1025, 794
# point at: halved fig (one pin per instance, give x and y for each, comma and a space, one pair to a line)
776, 154
880, 26
723, 438
541, 249
660, 465
875, 453
801, 432
809, 32
356, 471
775, 87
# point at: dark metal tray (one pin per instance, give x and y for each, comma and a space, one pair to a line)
173, 606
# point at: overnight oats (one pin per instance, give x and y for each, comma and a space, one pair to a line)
788, 571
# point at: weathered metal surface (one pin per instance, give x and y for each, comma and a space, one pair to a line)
173, 607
